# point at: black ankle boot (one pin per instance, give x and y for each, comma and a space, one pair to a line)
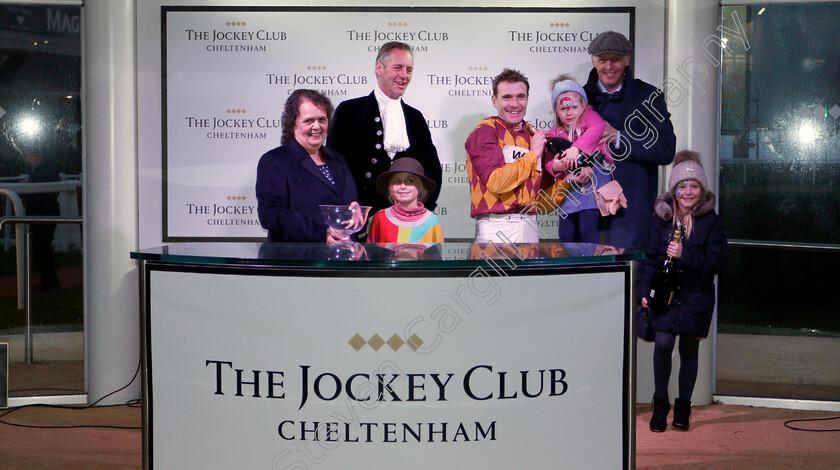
682, 411
659, 420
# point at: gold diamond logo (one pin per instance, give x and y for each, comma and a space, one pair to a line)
376, 342
414, 342
395, 342
357, 342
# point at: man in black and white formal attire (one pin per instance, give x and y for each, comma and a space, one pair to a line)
371, 131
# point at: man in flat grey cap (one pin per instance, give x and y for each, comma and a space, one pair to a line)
639, 130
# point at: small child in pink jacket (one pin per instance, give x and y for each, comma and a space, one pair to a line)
578, 123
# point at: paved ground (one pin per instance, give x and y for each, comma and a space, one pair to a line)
740, 437
85, 448
721, 437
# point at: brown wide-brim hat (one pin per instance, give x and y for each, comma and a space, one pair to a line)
404, 165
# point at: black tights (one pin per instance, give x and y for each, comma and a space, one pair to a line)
662, 350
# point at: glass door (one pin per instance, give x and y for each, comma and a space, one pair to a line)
778, 314
41, 175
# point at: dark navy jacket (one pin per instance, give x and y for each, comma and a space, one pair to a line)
357, 133
290, 187
638, 111
703, 256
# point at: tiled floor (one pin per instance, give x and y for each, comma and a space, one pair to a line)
721, 437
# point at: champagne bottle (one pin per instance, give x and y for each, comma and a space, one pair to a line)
556, 146
665, 280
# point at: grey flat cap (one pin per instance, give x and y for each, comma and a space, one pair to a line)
610, 42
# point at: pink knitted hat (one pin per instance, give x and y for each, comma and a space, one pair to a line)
687, 166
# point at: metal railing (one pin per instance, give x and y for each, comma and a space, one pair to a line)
68, 190
785, 245
26, 221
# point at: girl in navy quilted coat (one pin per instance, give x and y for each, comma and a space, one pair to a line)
699, 256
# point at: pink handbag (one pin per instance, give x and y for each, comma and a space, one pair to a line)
610, 197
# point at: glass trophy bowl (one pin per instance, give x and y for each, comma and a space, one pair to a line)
346, 220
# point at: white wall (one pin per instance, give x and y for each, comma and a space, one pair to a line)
110, 230
649, 34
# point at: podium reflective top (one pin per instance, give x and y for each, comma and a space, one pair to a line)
390, 255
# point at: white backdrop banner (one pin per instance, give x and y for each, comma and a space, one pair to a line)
227, 72
514, 372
